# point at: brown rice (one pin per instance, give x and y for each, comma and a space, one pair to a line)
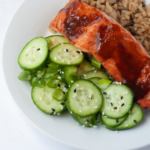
133, 15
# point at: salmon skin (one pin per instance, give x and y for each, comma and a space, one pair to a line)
93, 32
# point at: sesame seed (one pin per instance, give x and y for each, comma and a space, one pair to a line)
58, 85
38, 71
64, 92
95, 71
77, 85
121, 97
82, 88
94, 126
83, 104
117, 132
59, 72
83, 126
66, 50
80, 111
38, 49
35, 75
65, 100
78, 52
87, 120
96, 101
104, 93
55, 58
62, 61
77, 123
90, 96
126, 125
115, 107
90, 125
122, 104
71, 112
62, 72
96, 107
59, 77
53, 109
135, 121
103, 113
41, 98
75, 90
66, 87
62, 103
68, 62
111, 104
52, 113
72, 81
117, 121
58, 114
85, 75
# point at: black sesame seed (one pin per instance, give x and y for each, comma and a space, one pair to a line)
38, 49
52, 113
53, 109
39, 78
64, 92
135, 121
65, 100
49, 50
104, 93
58, 85
107, 97
66, 50
122, 104
115, 107
46, 66
121, 97
78, 52
75, 90
87, 120
111, 104
62, 103
137, 11
66, 87
35, 75
59, 72
117, 121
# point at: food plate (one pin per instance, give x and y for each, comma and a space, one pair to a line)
31, 20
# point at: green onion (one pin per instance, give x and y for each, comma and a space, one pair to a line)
34, 81
96, 63
73, 79
59, 95
103, 84
53, 81
25, 75
52, 68
41, 83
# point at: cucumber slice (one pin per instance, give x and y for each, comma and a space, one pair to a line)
55, 40
134, 117
87, 121
84, 67
109, 122
43, 99
95, 73
34, 55
84, 98
66, 54
118, 100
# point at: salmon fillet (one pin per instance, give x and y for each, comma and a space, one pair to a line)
93, 32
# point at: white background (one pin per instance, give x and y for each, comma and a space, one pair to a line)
16, 133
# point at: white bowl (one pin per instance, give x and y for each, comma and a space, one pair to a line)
31, 20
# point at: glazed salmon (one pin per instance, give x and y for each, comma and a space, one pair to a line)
92, 31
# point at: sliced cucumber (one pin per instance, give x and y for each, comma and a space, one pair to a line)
95, 73
82, 100
87, 121
66, 54
43, 99
84, 67
118, 100
109, 122
134, 117
55, 40
34, 55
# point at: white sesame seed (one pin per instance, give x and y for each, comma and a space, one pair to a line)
72, 81
83, 104
77, 85
95, 71
86, 122
83, 126
80, 111
96, 101
126, 125
62, 72
94, 126
38, 71
69, 86
62, 60
105, 116
71, 112
103, 113
90, 125
59, 77
41, 98
117, 132
54, 113
64, 50
90, 96
82, 88
96, 107
58, 114
55, 58
68, 62
62, 44
77, 123
85, 75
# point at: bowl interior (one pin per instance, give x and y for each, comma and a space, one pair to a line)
31, 20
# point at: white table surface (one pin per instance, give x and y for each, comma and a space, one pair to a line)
16, 132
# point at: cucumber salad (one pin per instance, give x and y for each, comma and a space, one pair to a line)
63, 79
